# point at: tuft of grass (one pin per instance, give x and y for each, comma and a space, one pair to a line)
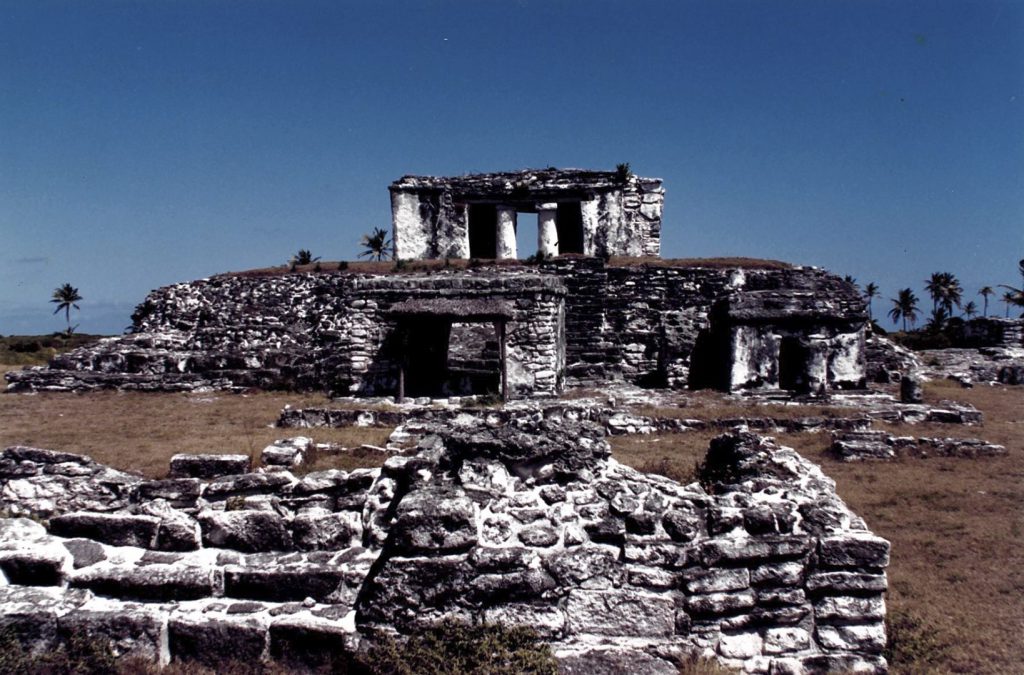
459, 648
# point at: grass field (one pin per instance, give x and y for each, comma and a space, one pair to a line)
956, 581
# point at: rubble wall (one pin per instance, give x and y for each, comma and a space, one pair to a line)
575, 321
760, 565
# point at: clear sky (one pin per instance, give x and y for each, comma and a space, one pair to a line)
146, 142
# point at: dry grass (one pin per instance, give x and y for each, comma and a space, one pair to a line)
135, 431
956, 525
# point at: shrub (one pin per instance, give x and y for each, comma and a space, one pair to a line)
460, 648
80, 654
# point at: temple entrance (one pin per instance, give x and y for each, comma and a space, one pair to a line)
793, 361
483, 231
451, 347
569, 223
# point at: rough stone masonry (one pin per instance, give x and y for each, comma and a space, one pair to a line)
760, 565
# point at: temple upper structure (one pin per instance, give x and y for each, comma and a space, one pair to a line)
593, 213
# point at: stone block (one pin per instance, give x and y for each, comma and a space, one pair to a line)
740, 645
45, 564
546, 620
846, 608
620, 613
323, 531
434, 521
157, 582
246, 531
132, 631
719, 580
785, 640
585, 566
208, 639
842, 582
853, 549
208, 466
854, 638
180, 493
312, 642
778, 574
283, 583
114, 529
720, 603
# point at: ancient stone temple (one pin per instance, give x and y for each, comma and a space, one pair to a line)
584, 313
593, 213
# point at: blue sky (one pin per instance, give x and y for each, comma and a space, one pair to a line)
148, 142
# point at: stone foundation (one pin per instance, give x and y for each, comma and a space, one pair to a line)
761, 566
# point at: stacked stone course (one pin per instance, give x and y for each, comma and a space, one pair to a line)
527, 522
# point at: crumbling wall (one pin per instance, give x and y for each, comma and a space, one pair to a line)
621, 214
575, 321
761, 566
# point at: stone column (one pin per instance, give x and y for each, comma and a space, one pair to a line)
506, 235
547, 229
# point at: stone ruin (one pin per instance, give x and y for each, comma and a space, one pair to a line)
513, 331
760, 565
592, 213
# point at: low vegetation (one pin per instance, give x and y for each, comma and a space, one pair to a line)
37, 350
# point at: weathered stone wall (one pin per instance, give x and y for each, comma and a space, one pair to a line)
621, 215
574, 321
763, 567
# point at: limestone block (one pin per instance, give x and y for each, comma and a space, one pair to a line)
42, 564
246, 531
854, 549
108, 528
283, 582
156, 582
207, 639
720, 603
547, 621
740, 645
719, 580
130, 630
591, 567
180, 493
784, 640
312, 641
856, 638
319, 530
434, 521
247, 484
208, 466
620, 612
847, 608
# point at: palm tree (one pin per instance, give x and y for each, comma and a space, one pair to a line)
376, 245
1014, 296
970, 309
984, 293
904, 306
66, 297
945, 290
1009, 299
870, 291
304, 257
937, 320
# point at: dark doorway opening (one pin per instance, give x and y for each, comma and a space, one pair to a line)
793, 361
426, 357
483, 231
474, 360
569, 223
